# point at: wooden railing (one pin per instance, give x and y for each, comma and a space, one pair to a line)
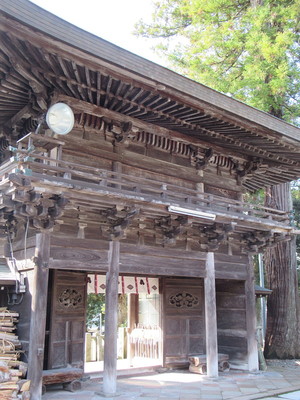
58, 172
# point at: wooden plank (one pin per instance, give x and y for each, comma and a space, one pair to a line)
38, 315
111, 322
211, 317
127, 248
183, 325
78, 258
67, 319
253, 364
67, 242
155, 265
232, 259
228, 270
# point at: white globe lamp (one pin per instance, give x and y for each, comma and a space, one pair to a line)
60, 118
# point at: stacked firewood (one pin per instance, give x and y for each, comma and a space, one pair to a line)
12, 370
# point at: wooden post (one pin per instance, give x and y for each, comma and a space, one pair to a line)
111, 322
253, 364
211, 317
38, 315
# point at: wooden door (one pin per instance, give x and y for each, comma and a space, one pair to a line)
183, 316
67, 324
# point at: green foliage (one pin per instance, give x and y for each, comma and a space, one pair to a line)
255, 198
246, 48
95, 307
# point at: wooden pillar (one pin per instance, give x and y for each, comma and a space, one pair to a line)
211, 317
111, 322
253, 364
38, 315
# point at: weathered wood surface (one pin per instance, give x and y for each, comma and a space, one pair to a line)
67, 319
61, 375
231, 319
38, 315
252, 344
144, 186
198, 363
78, 259
83, 255
142, 67
211, 317
12, 370
155, 265
111, 321
183, 320
139, 103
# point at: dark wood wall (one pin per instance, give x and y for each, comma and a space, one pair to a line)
98, 148
183, 320
231, 320
92, 255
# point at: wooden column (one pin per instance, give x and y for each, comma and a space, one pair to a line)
211, 317
38, 315
253, 364
111, 322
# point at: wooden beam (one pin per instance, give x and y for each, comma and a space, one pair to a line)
211, 317
85, 107
38, 315
111, 322
251, 317
57, 37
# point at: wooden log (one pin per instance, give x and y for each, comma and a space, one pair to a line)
72, 386
198, 363
211, 317
38, 315
111, 322
24, 385
25, 395
198, 369
61, 375
7, 394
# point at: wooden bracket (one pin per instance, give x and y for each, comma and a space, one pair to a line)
258, 240
24, 204
199, 159
120, 131
249, 168
215, 235
171, 228
118, 220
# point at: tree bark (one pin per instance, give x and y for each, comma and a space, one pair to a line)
282, 336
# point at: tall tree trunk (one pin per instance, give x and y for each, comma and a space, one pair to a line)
282, 336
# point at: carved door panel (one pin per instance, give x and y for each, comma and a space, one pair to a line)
184, 329
67, 325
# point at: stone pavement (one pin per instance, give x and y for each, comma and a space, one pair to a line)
280, 381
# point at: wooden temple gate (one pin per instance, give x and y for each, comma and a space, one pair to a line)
149, 182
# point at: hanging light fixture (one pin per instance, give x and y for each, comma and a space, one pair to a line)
60, 118
191, 212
